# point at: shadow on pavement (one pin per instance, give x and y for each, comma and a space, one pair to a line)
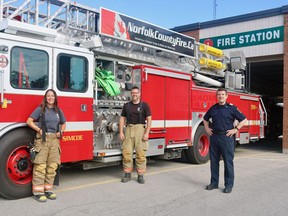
264, 144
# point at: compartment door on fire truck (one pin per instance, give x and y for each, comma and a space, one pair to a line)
73, 84
168, 94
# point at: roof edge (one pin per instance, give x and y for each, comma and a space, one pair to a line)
231, 20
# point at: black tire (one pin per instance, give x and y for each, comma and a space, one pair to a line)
199, 152
15, 165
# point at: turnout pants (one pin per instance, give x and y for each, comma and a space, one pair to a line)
45, 163
222, 145
133, 140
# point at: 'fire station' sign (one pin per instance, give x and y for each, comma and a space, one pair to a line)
120, 26
244, 39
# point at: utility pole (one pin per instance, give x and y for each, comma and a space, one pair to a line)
214, 9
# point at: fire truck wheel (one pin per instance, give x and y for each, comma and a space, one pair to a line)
15, 165
199, 152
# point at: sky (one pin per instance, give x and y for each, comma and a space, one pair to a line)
173, 13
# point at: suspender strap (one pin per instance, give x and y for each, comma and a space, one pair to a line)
140, 112
43, 126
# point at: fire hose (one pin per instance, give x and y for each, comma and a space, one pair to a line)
107, 81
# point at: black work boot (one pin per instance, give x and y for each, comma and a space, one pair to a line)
141, 179
126, 177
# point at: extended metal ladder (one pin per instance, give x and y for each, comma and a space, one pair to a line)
68, 22
69, 18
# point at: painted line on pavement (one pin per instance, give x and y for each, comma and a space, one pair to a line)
149, 174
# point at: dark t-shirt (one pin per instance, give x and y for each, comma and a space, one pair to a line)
223, 116
52, 118
132, 112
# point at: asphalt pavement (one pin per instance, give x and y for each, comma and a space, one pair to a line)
171, 188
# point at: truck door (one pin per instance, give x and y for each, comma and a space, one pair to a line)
168, 94
25, 75
72, 82
153, 91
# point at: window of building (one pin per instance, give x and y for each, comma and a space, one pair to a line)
29, 68
72, 74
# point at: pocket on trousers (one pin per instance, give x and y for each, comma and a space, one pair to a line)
38, 145
145, 145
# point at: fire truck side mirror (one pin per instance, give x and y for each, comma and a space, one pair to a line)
128, 86
3, 49
92, 42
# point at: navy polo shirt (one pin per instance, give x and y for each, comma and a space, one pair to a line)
223, 116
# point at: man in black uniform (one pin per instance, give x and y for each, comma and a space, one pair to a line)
221, 132
138, 123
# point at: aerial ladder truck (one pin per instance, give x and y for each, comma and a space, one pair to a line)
92, 58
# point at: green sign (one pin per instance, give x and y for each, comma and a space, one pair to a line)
244, 39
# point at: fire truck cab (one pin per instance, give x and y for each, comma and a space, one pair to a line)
92, 59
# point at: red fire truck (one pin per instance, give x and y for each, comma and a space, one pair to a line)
92, 59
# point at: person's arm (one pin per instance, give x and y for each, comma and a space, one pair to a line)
148, 127
62, 125
31, 124
236, 128
207, 128
121, 127
241, 124
62, 128
242, 120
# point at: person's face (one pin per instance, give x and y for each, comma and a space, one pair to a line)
50, 98
222, 97
135, 95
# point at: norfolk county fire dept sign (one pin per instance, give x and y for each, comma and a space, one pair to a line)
129, 29
244, 39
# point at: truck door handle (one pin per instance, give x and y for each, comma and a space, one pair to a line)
158, 131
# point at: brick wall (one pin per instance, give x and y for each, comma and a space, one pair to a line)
194, 34
285, 87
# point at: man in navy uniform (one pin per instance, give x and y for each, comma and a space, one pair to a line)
221, 132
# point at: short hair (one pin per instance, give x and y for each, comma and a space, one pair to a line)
135, 87
221, 89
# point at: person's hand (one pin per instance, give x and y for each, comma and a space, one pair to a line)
58, 134
122, 136
231, 132
209, 131
145, 137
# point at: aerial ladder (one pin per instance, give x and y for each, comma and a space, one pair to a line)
68, 22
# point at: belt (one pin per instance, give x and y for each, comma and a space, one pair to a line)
219, 132
135, 125
49, 134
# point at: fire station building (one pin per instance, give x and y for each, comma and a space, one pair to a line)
263, 36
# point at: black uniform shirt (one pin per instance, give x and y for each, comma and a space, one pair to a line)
223, 116
133, 112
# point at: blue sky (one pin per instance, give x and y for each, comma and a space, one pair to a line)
172, 13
